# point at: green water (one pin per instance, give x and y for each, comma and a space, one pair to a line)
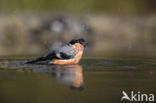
92, 81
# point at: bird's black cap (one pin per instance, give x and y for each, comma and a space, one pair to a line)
81, 41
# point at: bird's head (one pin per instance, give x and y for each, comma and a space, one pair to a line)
81, 41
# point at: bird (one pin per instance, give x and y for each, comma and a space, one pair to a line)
70, 53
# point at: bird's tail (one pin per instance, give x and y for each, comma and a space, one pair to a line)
38, 60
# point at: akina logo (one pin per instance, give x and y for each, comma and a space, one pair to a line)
138, 96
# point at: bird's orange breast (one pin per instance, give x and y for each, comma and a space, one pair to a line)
68, 61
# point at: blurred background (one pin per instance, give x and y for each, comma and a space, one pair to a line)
113, 28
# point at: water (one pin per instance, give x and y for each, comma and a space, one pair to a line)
91, 81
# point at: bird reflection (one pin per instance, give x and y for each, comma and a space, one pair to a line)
70, 75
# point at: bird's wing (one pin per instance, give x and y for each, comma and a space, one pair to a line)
67, 52
64, 52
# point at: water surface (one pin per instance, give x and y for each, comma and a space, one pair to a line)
91, 81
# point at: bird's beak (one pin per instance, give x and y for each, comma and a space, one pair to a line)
85, 44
